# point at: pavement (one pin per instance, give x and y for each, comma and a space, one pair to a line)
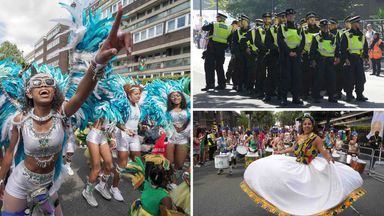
219, 195
73, 202
229, 98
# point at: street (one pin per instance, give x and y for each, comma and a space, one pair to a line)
217, 195
73, 202
229, 98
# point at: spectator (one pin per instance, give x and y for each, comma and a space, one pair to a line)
375, 142
375, 54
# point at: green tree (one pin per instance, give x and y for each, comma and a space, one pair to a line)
242, 120
262, 119
10, 50
380, 13
325, 8
287, 117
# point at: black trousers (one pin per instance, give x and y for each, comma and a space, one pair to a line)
355, 76
260, 73
376, 66
231, 68
325, 76
211, 152
214, 61
272, 76
239, 73
251, 67
291, 77
308, 74
340, 82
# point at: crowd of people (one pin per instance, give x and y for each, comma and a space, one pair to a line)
279, 55
210, 142
45, 114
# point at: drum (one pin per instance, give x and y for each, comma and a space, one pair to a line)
343, 157
358, 165
349, 158
335, 156
242, 150
221, 161
249, 158
268, 152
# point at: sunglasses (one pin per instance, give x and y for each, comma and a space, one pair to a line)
36, 83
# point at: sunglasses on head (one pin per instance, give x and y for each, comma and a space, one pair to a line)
37, 82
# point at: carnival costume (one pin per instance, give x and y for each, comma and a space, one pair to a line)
305, 185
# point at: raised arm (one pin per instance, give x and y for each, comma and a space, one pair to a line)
319, 144
111, 46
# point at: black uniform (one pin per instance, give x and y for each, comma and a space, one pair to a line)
214, 60
325, 69
291, 76
354, 73
308, 72
340, 82
231, 64
241, 58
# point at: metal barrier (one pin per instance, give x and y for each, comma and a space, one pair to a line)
378, 172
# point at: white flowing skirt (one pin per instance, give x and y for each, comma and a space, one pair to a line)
300, 189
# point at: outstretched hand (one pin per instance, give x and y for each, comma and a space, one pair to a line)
115, 42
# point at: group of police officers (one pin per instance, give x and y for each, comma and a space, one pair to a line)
278, 56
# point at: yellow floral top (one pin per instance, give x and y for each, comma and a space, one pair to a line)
306, 151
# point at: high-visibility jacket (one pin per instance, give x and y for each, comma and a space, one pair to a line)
326, 48
291, 37
250, 44
221, 31
273, 30
355, 46
308, 40
376, 52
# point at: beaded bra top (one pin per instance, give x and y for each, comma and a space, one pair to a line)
179, 118
42, 144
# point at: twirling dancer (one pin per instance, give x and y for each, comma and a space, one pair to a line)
290, 186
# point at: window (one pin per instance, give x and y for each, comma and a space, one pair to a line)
148, 33
143, 35
53, 43
151, 32
130, 1
177, 23
53, 33
124, 2
52, 55
39, 61
40, 43
39, 52
114, 8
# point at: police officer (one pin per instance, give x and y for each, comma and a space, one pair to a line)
354, 51
324, 59
266, 41
340, 73
308, 71
291, 44
240, 47
231, 65
215, 53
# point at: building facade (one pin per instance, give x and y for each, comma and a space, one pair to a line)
206, 119
161, 36
46, 49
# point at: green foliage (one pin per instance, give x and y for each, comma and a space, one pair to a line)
255, 8
287, 117
380, 13
262, 119
242, 120
10, 50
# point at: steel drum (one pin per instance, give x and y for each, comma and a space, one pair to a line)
221, 161
250, 157
343, 157
268, 152
242, 150
358, 165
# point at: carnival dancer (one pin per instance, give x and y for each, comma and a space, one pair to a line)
128, 143
289, 185
37, 133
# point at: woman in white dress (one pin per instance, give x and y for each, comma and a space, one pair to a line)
305, 185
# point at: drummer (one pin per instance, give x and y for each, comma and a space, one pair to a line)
253, 141
353, 148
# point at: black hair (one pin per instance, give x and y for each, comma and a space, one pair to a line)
314, 129
170, 105
58, 99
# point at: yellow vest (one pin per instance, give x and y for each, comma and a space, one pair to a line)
220, 32
291, 37
325, 47
252, 45
355, 46
308, 40
274, 34
262, 33
240, 36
